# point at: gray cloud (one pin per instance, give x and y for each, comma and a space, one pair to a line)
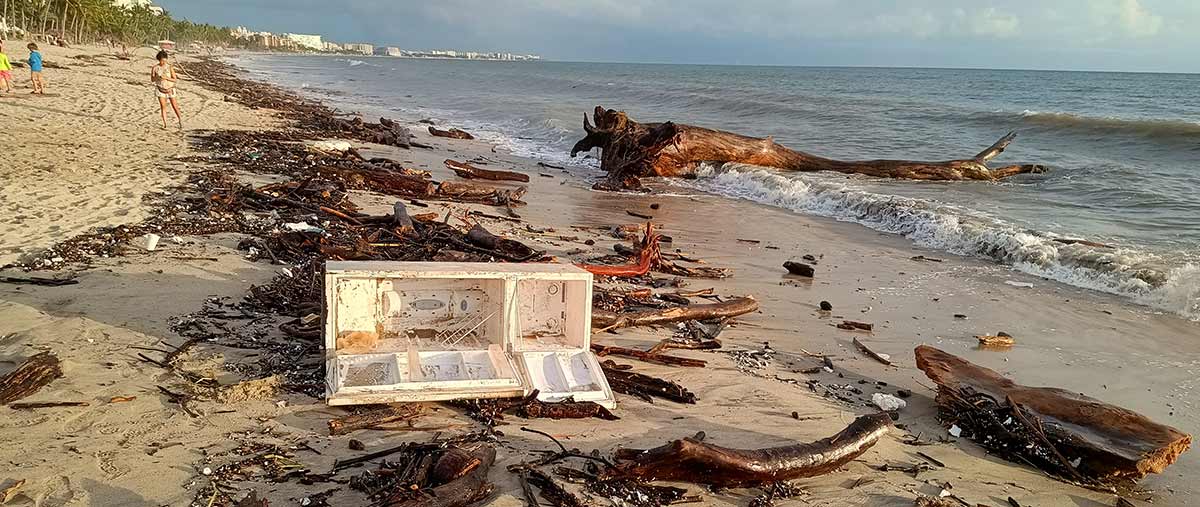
1069, 34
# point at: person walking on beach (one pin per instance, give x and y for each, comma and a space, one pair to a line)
5, 70
164, 78
35, 70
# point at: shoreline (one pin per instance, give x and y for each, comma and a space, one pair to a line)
1148, 269
859, 269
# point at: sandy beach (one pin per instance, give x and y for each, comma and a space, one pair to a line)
88, 156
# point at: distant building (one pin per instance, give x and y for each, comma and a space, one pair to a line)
365, 49
332, 47
389, 51
307, 41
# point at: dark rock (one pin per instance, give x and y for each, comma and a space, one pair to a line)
826, 306
799, 269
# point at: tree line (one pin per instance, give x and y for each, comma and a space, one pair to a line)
90, 21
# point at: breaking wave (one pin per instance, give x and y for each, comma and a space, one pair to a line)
1145, 277
1168, 129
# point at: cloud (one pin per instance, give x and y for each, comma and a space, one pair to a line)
987, 22
1137, 20
1128, 34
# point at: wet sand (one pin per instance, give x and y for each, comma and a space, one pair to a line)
148, 452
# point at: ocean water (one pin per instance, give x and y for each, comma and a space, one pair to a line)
1123, 148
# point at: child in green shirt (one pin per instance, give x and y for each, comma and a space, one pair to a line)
5, 70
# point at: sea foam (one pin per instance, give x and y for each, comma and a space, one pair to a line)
1144, 277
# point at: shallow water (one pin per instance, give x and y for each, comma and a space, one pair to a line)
1124, 149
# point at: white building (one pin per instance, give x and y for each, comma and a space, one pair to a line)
332, 46
308, 41
365, 49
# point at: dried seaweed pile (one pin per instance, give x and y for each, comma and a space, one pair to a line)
314, 118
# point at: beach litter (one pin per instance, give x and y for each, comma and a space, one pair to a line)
1023, 285
887, 402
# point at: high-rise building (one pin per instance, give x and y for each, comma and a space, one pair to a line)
307, 41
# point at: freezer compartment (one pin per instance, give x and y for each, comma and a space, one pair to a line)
562, 374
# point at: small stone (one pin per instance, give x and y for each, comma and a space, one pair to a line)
955, 431
359, 446
655, 206
206, 471
826, 306
960, 316
796, 415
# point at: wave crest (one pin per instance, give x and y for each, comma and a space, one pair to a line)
1142, 276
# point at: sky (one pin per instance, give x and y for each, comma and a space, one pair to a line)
1118, 35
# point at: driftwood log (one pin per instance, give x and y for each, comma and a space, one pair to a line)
453, 133
630, 150
470, 172
691, 460
723, 310
1066, 433
643, 386
32, 375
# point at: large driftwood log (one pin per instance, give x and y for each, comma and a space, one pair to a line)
723, 310
691, 460
631, 150
1062, 428
32, 375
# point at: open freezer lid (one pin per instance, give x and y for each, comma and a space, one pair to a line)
566, 373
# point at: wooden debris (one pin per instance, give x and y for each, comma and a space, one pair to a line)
851, 325
636, 214
462, 477
691, 460
799, 269
30, 376
376, 417
630, 150
724, 310
644, 386
871, 353
38, 280
453, 133
1101, 442
999, 340
649, 357
49, 404
550, 490
468, 171
122, 399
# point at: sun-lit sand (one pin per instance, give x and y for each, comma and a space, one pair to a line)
89, 155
